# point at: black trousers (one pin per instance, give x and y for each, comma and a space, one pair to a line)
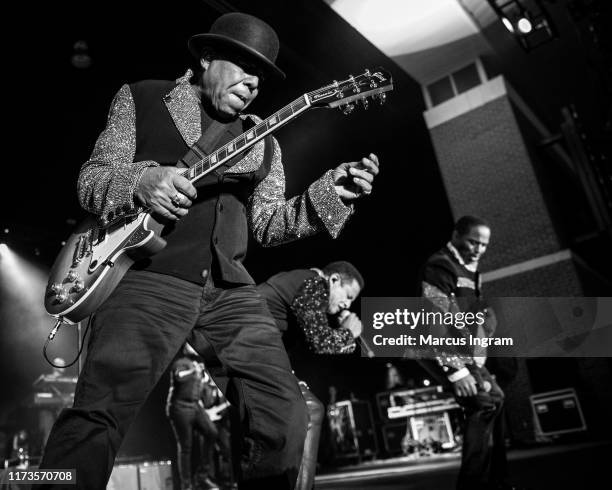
135, 335
483, 457
316, 415
188, 420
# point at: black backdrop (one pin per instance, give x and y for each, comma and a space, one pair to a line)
57, 111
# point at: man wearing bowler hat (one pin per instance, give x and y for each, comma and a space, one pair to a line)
197, 282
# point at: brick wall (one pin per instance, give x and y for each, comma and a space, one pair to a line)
559, 279
487, 172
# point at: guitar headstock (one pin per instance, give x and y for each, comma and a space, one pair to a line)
344, 94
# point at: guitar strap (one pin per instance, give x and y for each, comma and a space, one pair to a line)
205, 144
209, 141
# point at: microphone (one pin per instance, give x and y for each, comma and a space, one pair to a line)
343, 315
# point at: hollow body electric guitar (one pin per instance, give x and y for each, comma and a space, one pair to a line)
95, 258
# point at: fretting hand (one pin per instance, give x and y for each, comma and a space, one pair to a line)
165, 192
353, 180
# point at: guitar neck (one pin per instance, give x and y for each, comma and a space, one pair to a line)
247, 139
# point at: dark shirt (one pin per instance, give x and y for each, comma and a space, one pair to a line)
279, 292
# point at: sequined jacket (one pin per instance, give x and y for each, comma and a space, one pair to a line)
301, 296
108, 180
310, 308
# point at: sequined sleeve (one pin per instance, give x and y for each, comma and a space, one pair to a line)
107, 180
274, 220
453, 365
310, 308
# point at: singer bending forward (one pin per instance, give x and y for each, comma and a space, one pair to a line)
310, 306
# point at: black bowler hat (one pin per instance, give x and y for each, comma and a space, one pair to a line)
244, 34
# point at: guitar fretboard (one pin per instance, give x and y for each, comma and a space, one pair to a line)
332, 95
246, 139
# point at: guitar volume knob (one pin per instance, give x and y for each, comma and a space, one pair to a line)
79, 285
347, 109
56, 288
62, 296
72, 275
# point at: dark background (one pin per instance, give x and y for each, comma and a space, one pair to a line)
55, 111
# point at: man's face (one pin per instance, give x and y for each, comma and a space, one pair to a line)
473, 244
341, 294
230, 86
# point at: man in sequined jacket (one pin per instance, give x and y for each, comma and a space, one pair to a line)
315, 303
198, 281
451, 281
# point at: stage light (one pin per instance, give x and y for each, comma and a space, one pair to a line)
22, 289
25, 323
426, 382
80, 56
527, 20
524, 25
508, 24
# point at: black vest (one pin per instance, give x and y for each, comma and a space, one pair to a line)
213, 237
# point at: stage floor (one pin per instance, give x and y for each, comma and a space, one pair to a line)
575, 466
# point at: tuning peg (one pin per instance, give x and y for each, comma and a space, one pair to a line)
347, 109
382, 98
365, 103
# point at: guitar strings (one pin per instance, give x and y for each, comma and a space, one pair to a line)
225, 147
255, 129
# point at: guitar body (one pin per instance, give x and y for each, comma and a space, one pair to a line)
215, 413
94, 260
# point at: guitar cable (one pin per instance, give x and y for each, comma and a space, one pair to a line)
54, 332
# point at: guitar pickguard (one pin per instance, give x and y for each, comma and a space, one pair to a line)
114, 239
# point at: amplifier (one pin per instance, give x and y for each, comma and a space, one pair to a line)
352, 429
154, 475
393, 434
124, 477
557, 412
430, 429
